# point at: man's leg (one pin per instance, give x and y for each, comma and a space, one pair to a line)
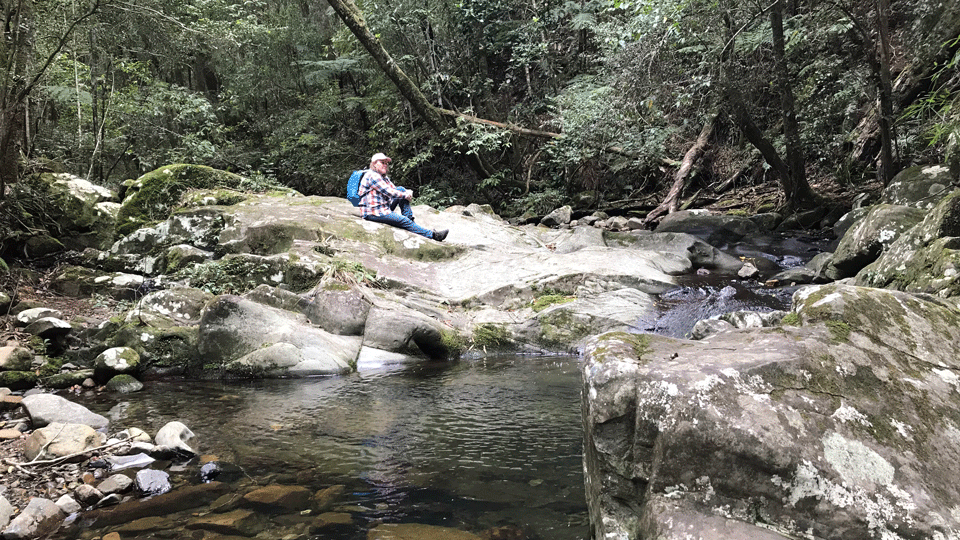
405, 209
401, 222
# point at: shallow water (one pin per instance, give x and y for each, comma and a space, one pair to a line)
474, 444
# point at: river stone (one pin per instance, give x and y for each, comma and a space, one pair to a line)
177, 500
152, 482
67, 439
272, 360
780, 429
699, 253
67, 379
18, 380
325, 498
232, 327
118, 360
288, 498
68, 505
176, 306
921, 186
15, 358
183, 256
714, 229
406, 332
417, 531
40, 518
49, 328
116, 483
124, 384
6, 511
869, 237
87, 495
705, 328
239, 522
26, 317
175, 435
47, 408
332, 519
560, 216
337, 310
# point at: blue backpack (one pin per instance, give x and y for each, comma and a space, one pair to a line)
353, 186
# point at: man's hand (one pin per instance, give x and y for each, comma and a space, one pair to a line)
408, 195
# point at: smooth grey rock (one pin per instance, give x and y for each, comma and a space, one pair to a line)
49, 328
68, 505
748, 270
176, 306
925, 259
40, 517
705, 328
778, 431
87, 495
152, 482
714, 229
15, 358
175, 435
47, 408
59, 440
404, 332
124, 384
6, 511
232, 327
560, 216
115, 484
700, 253
24, 318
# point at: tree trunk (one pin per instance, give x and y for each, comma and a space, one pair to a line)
682, 178
885, 92
741, 117
20, 35
352, 17
799, 188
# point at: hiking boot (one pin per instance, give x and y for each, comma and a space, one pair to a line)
440, 235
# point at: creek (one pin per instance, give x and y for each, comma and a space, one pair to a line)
489, 445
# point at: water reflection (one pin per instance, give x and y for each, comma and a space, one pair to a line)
474, 444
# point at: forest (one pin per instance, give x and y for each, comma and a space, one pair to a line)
624, 105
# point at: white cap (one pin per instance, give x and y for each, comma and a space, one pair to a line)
380, 157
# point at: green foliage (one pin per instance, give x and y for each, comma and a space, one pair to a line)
547, 300
491, 335
938, 112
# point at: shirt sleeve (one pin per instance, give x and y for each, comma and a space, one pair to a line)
384, 185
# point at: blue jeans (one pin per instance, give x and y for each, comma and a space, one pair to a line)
404, 220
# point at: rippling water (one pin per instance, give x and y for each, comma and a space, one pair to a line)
474, 444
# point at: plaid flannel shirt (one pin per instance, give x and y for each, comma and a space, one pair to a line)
377, 192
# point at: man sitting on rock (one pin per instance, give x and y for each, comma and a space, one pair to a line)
379, 197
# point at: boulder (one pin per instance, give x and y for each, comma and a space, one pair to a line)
175, 435
15, 358
405, 332
124, 384
118, 360
163, 350
85, 213
116, 483
921, 186
699, 253
45, 409
232, 327
560, 216
31, 315
337, 309
176, 306
714, 229
40, 518
869, 237
49, 328
278, 497
778, 432
81, 281
152, 482
924, 259
18, 380
58, 440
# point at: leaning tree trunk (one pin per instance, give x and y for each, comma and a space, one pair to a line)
682, 178
885, 92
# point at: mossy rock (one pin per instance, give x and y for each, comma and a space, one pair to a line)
162, 350
18, 380
153, 196
124, 384
494, 335
67, 379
